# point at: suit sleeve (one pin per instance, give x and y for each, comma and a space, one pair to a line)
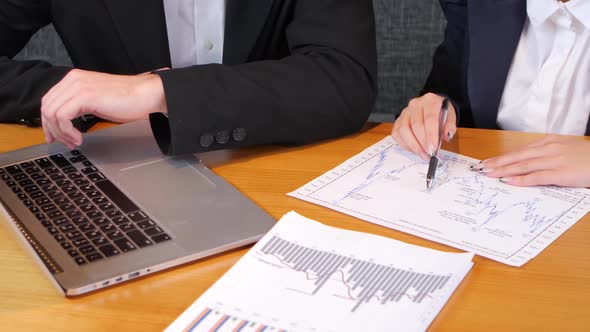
448, 74
325, 88
23, 83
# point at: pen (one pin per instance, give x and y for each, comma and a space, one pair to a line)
444, 110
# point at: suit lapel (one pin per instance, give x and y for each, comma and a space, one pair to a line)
142, 28
244, 21
495, 27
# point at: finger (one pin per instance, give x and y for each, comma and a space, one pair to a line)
397, 138
412, 143
514, 157
531, 150
51, 132
401, 121
54, 130
60, 138
69, 111
541, 178
431, 117
60, 96
47, 108
543, 141
48, 136
417, 125
49, 111
450, 127
523, 167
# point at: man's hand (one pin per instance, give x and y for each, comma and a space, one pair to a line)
553, 160
416, 129
111, 97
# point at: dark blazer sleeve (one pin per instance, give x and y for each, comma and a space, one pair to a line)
325, 88
23, 83
448, 74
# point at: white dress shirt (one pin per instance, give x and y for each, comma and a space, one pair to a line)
548, 85
196, 29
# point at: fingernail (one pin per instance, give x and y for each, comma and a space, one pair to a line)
431, 150
505, 180
486, 170
450, 135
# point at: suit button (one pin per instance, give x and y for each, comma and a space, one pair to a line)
222, 137
206, 140
239, 134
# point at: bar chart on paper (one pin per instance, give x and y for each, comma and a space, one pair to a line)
304, 276
214, 320
386, 185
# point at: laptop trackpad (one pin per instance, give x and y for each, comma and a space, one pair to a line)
167, 187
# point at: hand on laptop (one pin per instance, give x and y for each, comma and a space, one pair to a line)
416, 129
556, 160
115, 98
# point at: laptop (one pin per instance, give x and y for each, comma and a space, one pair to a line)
117, 208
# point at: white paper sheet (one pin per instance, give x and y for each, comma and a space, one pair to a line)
305, 276
387, 185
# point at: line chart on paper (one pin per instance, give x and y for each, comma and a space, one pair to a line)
386, 185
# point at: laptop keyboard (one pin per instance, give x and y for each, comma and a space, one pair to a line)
84, 211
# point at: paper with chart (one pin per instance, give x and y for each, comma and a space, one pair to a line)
386, 185
305, 276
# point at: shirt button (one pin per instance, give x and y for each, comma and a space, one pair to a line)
210, 45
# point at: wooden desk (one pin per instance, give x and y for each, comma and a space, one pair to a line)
550, 293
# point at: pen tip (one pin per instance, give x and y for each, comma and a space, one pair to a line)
428, 182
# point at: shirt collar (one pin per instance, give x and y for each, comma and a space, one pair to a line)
580, 9
541, 10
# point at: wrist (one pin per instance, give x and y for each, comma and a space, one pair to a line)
151, 91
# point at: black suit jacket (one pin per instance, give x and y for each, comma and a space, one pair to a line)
471, 65
294, 71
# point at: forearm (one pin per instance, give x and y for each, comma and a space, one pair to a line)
299, 99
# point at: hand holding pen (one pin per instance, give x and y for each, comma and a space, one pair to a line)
417, 129
432, 166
